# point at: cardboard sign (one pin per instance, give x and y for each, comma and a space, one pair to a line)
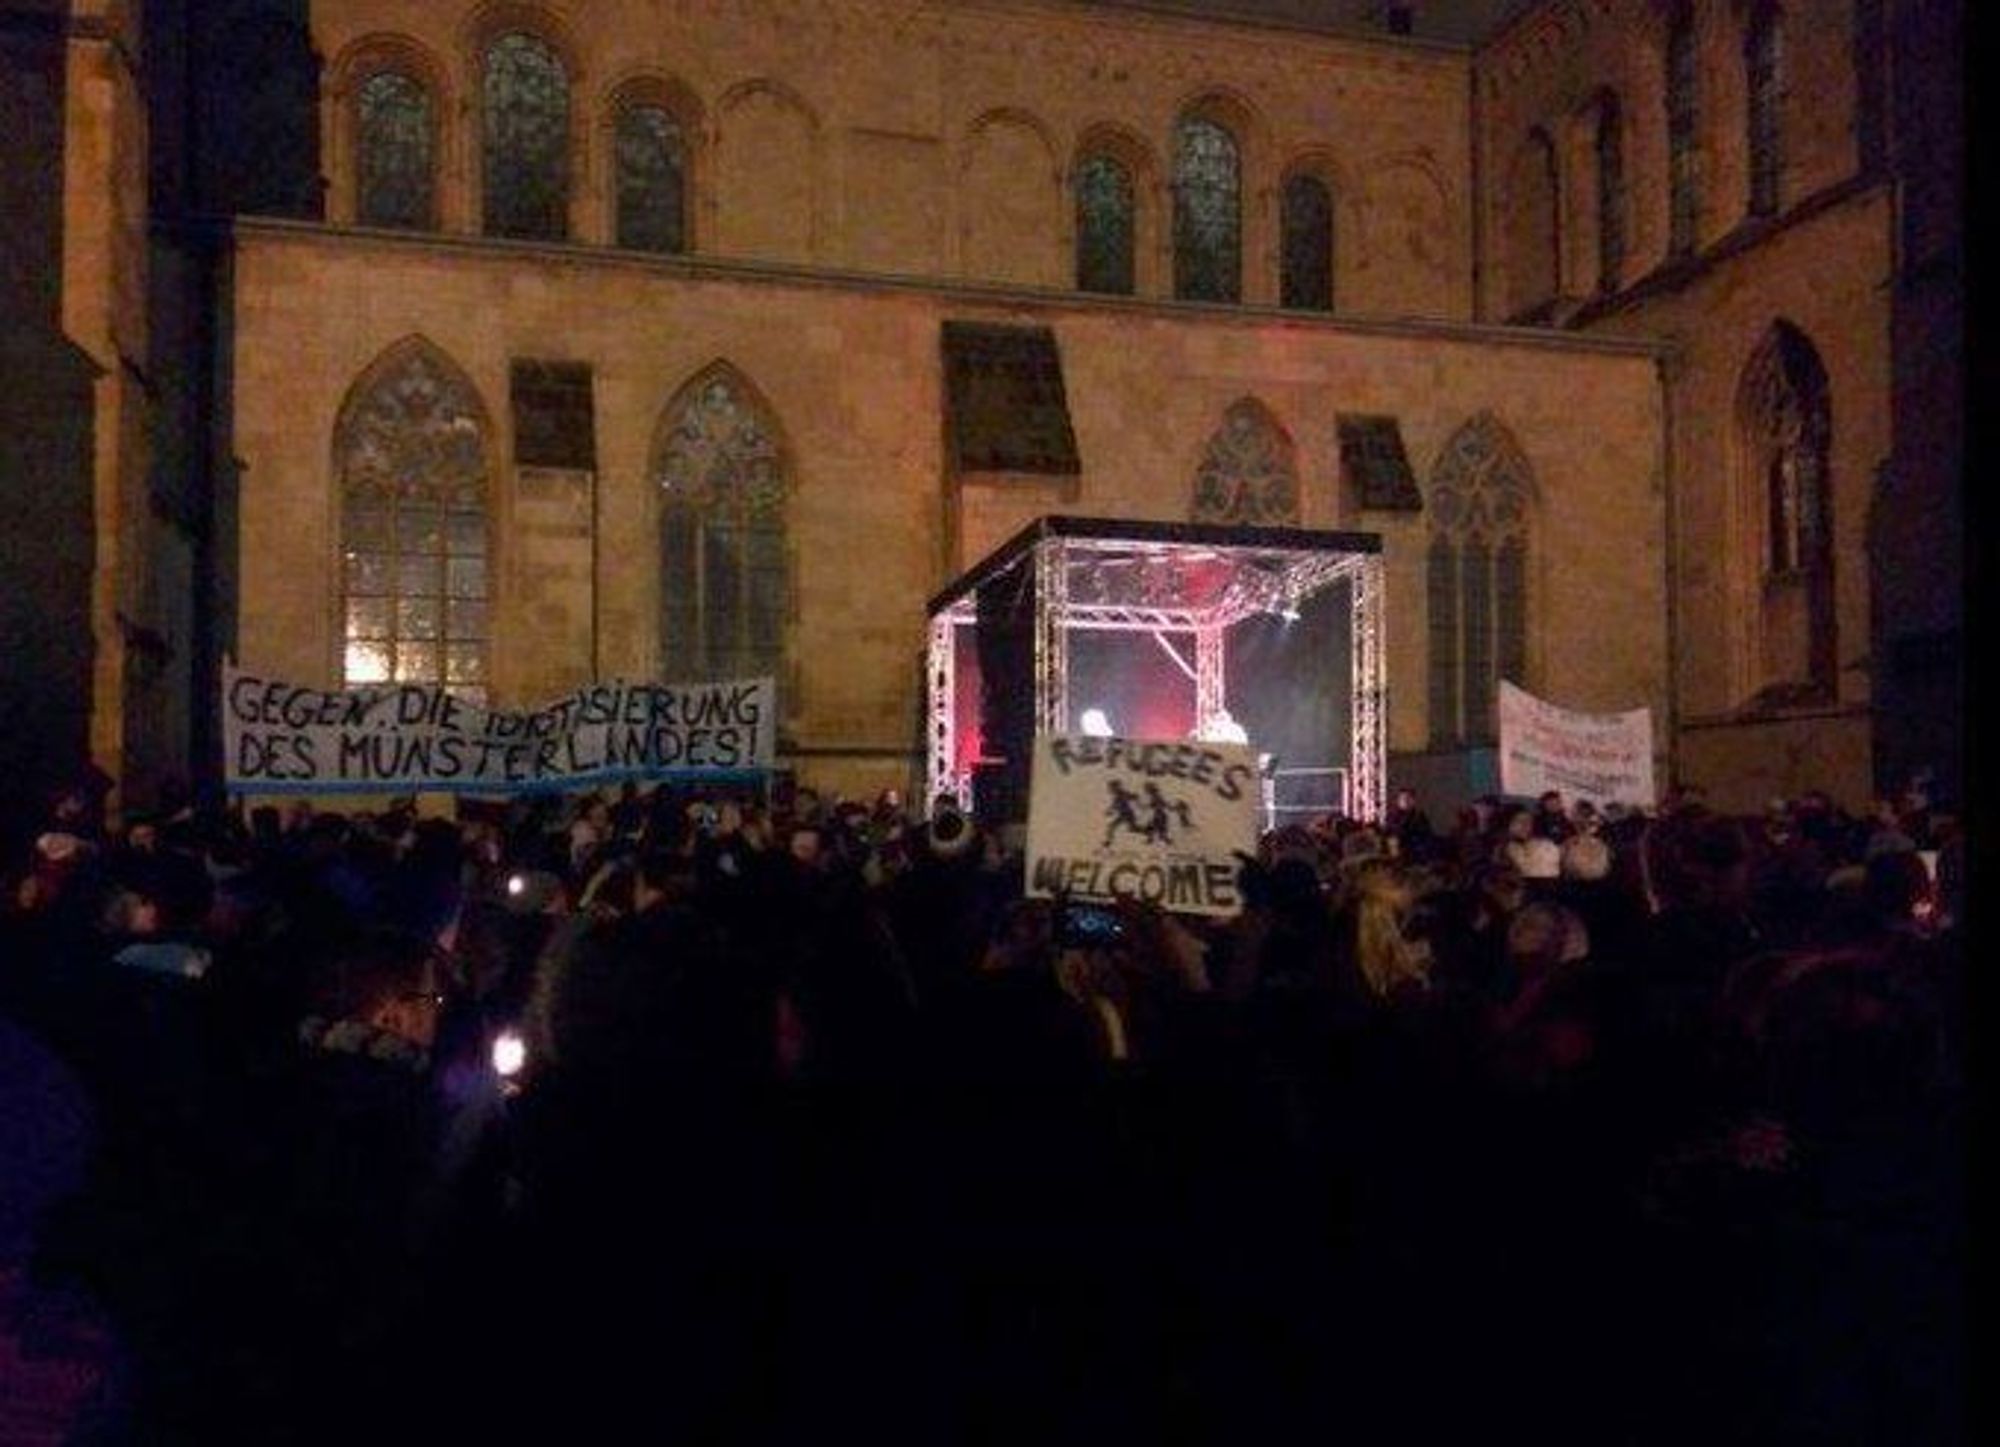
394, 738
1161, 821
1603, 757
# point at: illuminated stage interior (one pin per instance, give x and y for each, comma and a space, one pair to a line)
1164, 631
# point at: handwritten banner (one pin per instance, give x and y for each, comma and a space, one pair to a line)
1124, 818
1605, 758
282, 737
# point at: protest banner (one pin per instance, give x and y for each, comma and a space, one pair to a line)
1112, 818
1605, 758
388, 738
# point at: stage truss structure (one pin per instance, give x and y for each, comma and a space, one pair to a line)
1159, 578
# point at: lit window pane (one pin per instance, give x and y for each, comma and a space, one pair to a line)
467, 532
419, 530
467, 618
465, 663
412, 460
416, 575
652, 187
394, 141
1104, 226
367, 617
367, 663
466, 578
417, 618
1208, 213
527, 140
367, 530
416, 662
367, 573
724, 575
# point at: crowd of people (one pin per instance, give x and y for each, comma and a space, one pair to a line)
768, 1119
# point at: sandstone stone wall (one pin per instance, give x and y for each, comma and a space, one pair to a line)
937, 139
852, 372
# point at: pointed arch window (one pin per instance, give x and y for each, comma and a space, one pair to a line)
725, 591
1785, 417
395, 130
1683, 193
1763, 64
1106, 225
1248, 472
1609, 144
526, 156
1208, 212
1477, 591
1306, 269
650, 150
411, 462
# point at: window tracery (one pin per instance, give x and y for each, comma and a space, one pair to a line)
1248, 473
526, 158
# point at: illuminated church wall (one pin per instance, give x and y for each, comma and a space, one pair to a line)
846, 383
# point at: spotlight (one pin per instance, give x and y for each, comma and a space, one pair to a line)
1095, 723
510, 1053
1289, 613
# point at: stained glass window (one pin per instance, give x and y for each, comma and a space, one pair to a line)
527, 140
724, 591
1763, 60
1105, 226
1682, 182
652, 180
1610, 144
395, 152
410, 454
1248, 473
1306, 279
1208, 212
1478, 586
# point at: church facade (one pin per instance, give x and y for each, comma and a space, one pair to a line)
514, 345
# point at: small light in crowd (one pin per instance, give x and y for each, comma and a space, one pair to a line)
1289, 613
1095, 723
516, 883
510, 1053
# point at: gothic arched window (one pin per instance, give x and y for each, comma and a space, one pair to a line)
650, 150
1763, 65
724, 588
410, 460
1248, 471
527, 167
1305, 280
1106, 225
1683, 183
395, 133
1609, 143
1785, 416
1208, 212
1481, 500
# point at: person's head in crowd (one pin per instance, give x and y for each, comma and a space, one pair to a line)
1389, 961
59, 858
951, 833
1899, 892
1024, 937
1549, 806
1406, 800
1695, 860
1519, 825
1586, 858
387, 983
142, 836
1544, 937
1538, 858
663, 878
1499, 891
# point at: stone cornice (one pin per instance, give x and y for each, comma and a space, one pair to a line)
967, 293
1250, 24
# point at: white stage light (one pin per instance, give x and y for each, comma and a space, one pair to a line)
1095, 723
